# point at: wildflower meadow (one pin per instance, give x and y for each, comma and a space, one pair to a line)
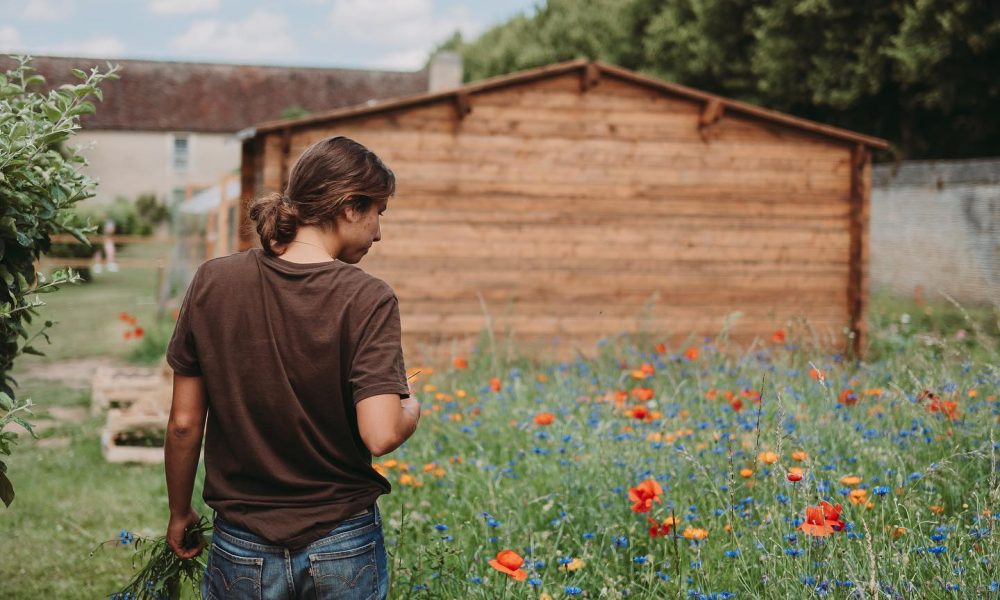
702, 471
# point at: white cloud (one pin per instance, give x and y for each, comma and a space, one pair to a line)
408, 29
181, 7
99, 46
261, 34
47, 10
403, 60
10, 39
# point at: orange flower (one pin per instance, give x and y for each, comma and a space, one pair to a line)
947, 407
711, 394
128, 334
822, 520
661, 529
800, 455
768, 458
642, 413
815, 373
545, 418
850, 480
495, 384
661, 348
848, 397
936, 509
460, 363
736, 404
778, 336
642, 393
509, 562
858, 496
745, 472
644, 494
691, 353
695, 533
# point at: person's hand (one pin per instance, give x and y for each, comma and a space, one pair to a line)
175, 534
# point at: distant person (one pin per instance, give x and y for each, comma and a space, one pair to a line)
294, 356
108, 250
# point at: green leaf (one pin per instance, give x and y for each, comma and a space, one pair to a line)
6, 402
79, 73
6, 487
32, 350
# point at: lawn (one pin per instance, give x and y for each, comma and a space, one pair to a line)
566, 463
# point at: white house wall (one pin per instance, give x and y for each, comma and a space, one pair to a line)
129, 163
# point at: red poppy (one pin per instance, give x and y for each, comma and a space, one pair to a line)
545, 418
644, 494
139, 331
495, 384
661, 529
778, 336
948, 408
691, 353
661, 348
848, 397
128, 334
460, 363
822, 520
793, 477
509, 562
736, 404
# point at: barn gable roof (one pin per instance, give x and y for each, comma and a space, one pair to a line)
214, 97
587, 69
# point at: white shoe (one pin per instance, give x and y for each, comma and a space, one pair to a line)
112, 267
96, 268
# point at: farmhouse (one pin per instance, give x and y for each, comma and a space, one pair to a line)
579, 200
166, 126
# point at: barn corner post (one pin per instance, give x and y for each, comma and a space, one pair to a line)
857, 288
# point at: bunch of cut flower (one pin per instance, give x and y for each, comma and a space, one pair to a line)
163, 574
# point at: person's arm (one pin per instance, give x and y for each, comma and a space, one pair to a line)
385, 421
182, 448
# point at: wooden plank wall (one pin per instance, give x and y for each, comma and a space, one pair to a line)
565, 211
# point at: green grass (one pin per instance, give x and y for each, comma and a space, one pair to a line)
560, 491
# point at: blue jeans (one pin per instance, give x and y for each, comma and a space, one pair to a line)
349, 563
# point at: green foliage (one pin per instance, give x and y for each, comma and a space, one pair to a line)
40, 183
920, 73
152, 346
293, 112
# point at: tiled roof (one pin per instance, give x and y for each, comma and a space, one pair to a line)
180, 96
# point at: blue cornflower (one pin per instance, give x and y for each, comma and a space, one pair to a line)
441, 527
534, 581
937, 549
588, 535
572, 590
793, 551
640, 560
126, 537
476, 579
881, 490
732, 553
621, 541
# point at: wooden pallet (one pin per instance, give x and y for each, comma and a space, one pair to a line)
133, 424
120, 387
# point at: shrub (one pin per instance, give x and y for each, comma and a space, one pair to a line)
40, 184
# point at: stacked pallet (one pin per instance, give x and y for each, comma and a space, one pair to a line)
137, 401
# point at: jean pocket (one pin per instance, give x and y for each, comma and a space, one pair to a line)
231, 576
349, 574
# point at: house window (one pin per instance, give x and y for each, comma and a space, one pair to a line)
182, 152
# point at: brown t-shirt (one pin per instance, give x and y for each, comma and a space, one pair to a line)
286, 351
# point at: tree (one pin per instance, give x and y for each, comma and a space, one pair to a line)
39, 185
920, 73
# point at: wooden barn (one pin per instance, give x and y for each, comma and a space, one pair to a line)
580, 200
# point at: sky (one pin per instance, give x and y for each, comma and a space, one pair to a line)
365, 34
